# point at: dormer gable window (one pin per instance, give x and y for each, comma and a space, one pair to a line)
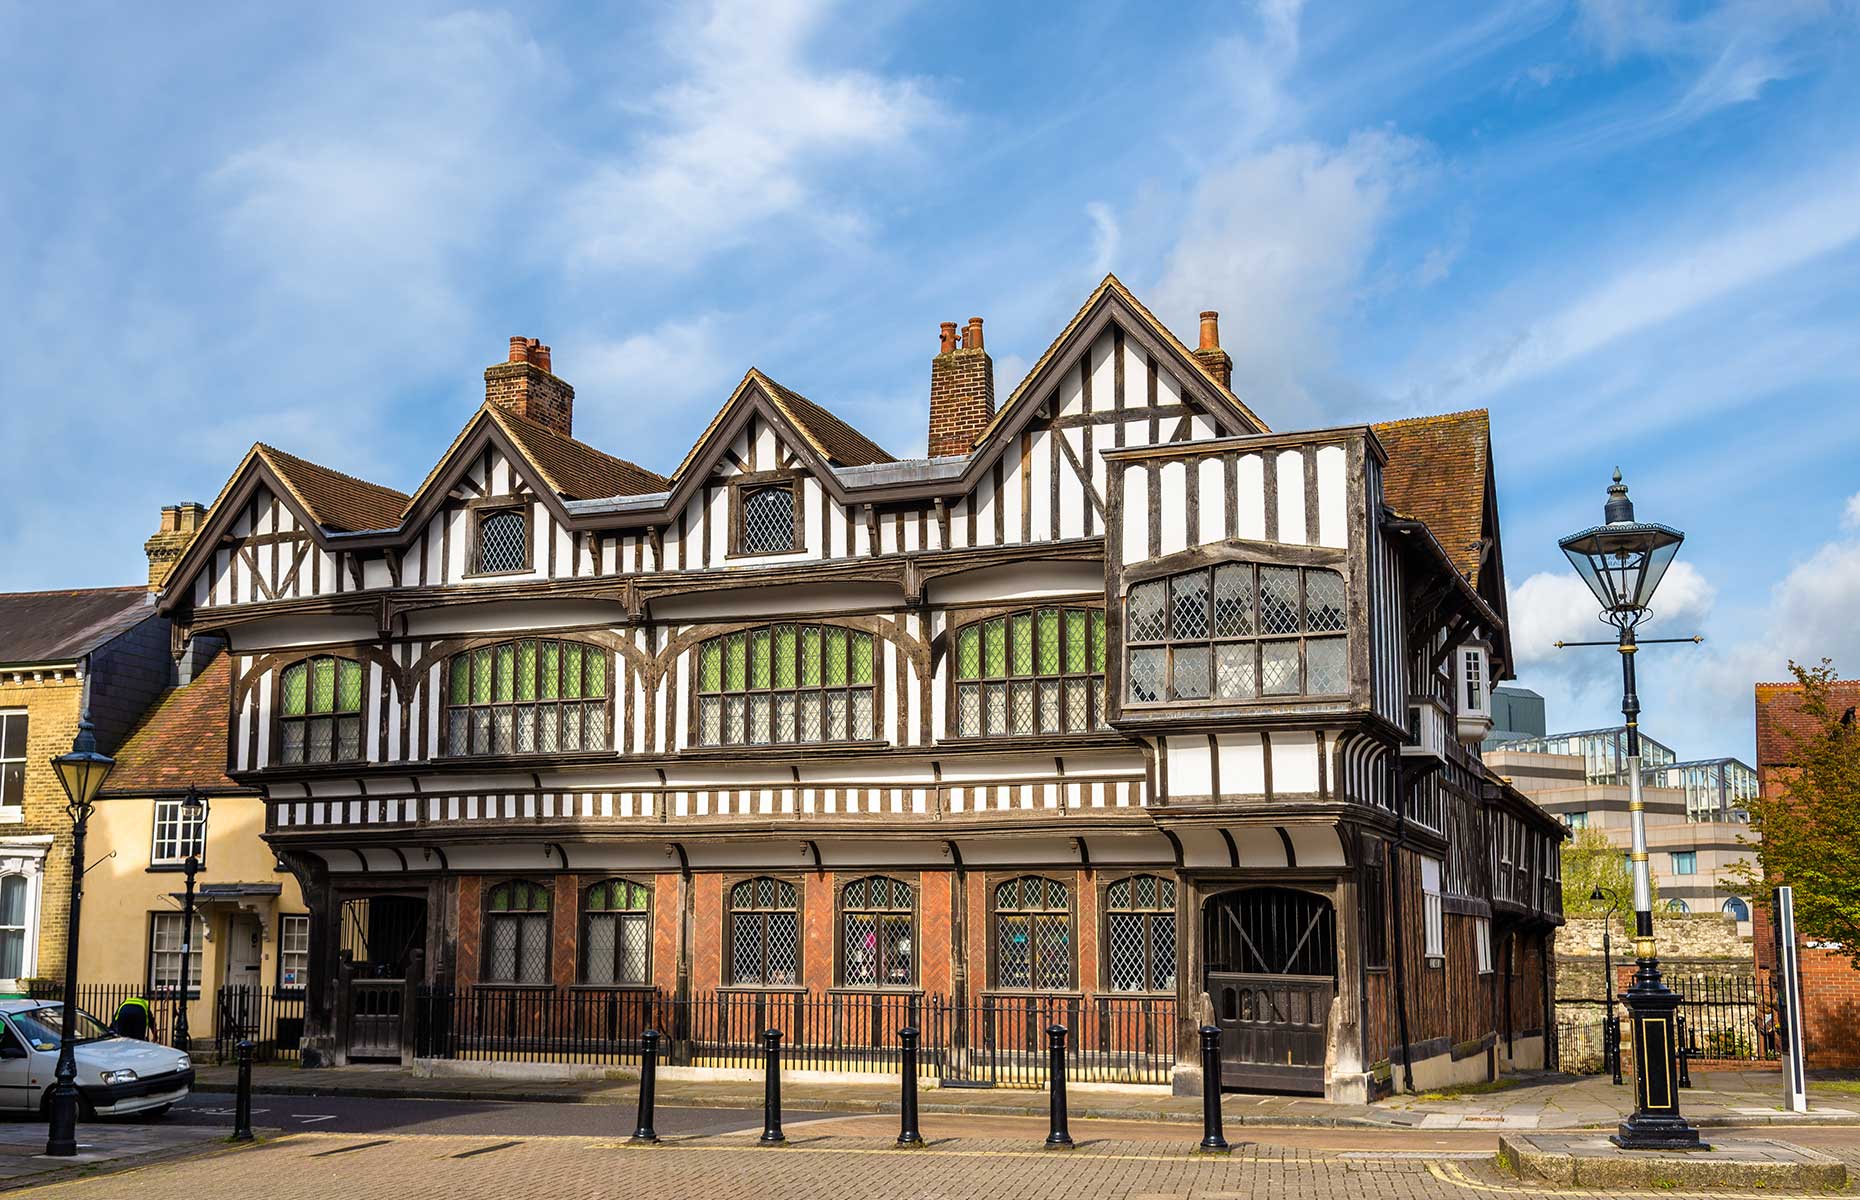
502, 542
765, 514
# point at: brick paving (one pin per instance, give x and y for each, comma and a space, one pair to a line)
361, 1166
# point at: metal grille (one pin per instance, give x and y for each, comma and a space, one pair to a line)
500, 541
1052, 949
1033, 934
1013, 952
746, 948
768, 520
1127, 953
764, 932
1141, 929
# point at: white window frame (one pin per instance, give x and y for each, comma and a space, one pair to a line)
1434, 913
14, 813
167, 945
1482, 944
25, 856
293, 945
172, 815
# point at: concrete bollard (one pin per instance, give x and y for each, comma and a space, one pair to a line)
242, 1100
643, 1131
908, 1133
1212, 1140
1058, 1137
771, 1090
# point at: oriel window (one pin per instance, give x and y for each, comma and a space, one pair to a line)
1237, 631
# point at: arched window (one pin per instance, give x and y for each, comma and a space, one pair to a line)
765, 933
1040, 671
320, 711
877, 928
1676, 905
516, 933
1237, 632
768, 517
616, 933
787, 684
1140, 934
527, 697
1033, 934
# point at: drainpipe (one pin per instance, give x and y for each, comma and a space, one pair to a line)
1401, 949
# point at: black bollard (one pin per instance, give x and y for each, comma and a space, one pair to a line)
1685, 1054
1059, 1138
771, 1090
908, 1134
242, 1101
648, 1086
1212, 1141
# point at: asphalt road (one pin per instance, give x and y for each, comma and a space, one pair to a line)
356, 1114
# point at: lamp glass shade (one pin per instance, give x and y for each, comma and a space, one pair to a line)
82, 773
1596, 896
1623, 563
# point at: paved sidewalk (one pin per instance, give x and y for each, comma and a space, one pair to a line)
1718, 1098
102, 1146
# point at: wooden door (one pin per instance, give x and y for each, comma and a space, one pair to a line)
1271, 957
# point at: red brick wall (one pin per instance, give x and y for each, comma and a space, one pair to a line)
470, 925
667, 905
962, 400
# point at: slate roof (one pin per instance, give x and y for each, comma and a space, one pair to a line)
335, 501
180, 740
574, 469
1436, 474
61, 627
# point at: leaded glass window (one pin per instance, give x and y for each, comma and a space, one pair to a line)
1034, 672
516, 933
616, 933
503, 541
877, 927
527, 697
1237, 631
767, 519
765, 933
1033, 934
787, 684
320, 711
1140, 933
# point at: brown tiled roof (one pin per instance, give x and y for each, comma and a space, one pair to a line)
180, 740
1436, 474
61, 627
574, 469
833, 439
1781, 723
335, 501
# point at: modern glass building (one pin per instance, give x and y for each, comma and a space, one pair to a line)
1603, 752
1717, 789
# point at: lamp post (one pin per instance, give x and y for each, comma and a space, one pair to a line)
193, 828
82, 773
1608, 976
1622, 562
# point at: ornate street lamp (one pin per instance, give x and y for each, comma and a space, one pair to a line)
82, 773
194, 828
1608, 978
1622, 561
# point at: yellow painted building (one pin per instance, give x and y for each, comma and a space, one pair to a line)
251, 926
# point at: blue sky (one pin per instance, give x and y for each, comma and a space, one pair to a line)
1630, 230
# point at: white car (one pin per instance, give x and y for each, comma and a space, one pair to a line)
115, 1075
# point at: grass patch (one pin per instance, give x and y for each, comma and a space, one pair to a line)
1482, 1088
1849, 1087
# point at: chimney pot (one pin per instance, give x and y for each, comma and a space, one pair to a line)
179, 524
1210, 330
947, 337
539, 354
972, 339
962, 391
519, 349
534, 394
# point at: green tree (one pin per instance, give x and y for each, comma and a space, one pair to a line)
1590, 860
1807, 822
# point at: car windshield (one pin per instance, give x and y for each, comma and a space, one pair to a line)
43, 1026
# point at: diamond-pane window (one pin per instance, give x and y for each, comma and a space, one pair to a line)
1029, 672
528, 697
785, 684
516, 933
1033, 935
1237, 632
768, 519
764, 927
877, 928
320, 711
1140, 931
502, 541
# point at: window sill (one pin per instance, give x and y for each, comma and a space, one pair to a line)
790, 552
1030, 994
756, 989
523, 570
875, 990
738, 750
494, 985
645, 988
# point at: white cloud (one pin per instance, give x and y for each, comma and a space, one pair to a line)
1104, 238
630, 389
747, 134
1554, 606
1850, 517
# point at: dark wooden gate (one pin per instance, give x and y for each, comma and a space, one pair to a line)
376, 1012
1271, 957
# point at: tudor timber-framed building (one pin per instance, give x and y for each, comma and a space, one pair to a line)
1118, 693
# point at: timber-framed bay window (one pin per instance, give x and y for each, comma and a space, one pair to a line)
1032, 936
616, 933
1237, 631
1139, 927
878, 925
320, 711
516, 933
530, 696
787, 685
765, 933
1025, 673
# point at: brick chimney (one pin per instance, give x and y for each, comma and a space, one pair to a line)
525, 385
962, 390
179, 523
1210, 353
